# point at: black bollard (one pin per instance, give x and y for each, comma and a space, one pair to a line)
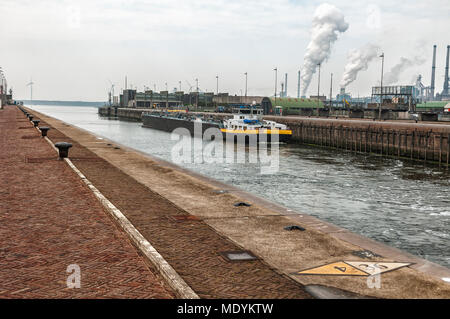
44, 130
35, 122
30, 117
63, 148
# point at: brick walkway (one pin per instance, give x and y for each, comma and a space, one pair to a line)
49, 219
192, 248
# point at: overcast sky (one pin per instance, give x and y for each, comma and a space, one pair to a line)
72, 49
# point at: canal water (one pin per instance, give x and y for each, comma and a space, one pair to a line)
399, 203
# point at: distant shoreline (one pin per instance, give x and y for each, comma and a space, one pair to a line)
63, 103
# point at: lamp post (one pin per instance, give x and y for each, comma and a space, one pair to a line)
196, 100
217, 84
245, 85
381, 85
151, 99
331, 90
318, 87
275, 95
145, 96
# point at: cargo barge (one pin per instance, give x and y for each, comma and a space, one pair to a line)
246, 126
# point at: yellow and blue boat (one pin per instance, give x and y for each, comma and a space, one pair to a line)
247, 124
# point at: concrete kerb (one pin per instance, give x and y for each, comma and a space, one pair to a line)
180, 287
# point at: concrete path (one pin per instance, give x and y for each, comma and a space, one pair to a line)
49, 220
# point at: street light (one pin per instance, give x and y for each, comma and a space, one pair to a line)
217, 84
245, 85
197, 98
318, 87
381, 85
276, 73
331, 90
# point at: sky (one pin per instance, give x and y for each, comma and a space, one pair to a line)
74, 50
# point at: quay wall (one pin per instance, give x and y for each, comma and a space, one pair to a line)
426, 142
417, 141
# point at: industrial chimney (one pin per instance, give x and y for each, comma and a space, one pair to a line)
298, 85
285, 85
446, 92
433, 72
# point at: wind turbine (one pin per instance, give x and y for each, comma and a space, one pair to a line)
31, 89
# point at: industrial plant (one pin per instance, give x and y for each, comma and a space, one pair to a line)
386, 102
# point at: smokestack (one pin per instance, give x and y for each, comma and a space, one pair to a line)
298, 85
285, 84
327, 23
445, 92
433, 72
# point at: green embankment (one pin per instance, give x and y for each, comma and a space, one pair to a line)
432, 105
295, 103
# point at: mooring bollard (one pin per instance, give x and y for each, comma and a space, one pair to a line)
35, 122
30, 117
44, 130
63, 148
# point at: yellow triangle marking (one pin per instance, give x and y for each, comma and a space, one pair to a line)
373, 268
339, 268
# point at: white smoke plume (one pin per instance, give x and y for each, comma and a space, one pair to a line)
328, 21
358, 60
392, 77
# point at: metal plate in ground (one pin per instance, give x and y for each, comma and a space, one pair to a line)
220, 191
238, 255
325, 292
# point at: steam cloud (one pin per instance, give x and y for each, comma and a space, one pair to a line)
358, 60
328, 21
392, 77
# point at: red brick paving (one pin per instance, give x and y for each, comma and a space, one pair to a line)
49, 219
191, 247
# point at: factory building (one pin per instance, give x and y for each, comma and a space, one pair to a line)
164, 99
398, 97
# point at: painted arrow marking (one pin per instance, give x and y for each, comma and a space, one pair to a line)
353, 268
374, 268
